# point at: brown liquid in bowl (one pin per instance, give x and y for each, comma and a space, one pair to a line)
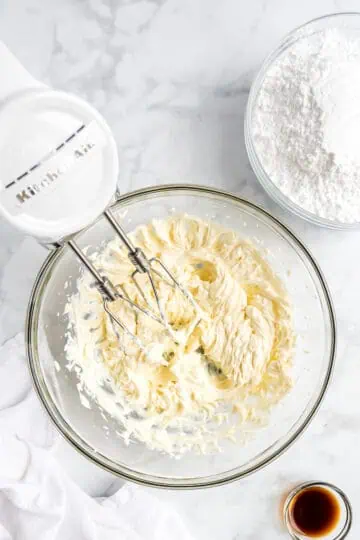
315, 511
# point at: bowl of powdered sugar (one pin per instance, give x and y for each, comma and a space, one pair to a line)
302, 127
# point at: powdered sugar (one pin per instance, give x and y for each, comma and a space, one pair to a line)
306, 125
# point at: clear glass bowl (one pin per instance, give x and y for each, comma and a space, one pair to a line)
349, 23
85, 428
341, 528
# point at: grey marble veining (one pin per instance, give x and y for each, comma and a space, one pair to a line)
172, 79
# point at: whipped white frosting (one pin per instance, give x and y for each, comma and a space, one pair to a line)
222, 376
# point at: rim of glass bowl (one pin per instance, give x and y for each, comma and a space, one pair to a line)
265, 180
44, 276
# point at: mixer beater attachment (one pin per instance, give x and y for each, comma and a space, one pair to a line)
142, 265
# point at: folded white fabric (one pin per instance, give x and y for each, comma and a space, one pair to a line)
37, 498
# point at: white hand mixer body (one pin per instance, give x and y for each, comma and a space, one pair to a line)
58, 171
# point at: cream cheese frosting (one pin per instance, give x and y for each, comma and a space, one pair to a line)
222, 375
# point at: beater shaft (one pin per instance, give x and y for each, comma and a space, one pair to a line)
104, 284
136, 255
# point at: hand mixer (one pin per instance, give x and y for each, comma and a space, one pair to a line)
58, 173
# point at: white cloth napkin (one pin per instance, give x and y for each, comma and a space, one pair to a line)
37, 498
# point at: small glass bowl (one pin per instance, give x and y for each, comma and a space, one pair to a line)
346, 21
342, 528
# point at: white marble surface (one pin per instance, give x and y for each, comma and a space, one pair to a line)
172, 78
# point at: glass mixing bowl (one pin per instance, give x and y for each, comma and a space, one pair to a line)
96, 439
347, 22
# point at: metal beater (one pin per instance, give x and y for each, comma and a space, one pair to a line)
142, 265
